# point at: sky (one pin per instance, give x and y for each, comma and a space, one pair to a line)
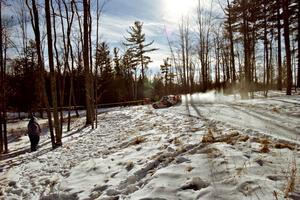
160, 18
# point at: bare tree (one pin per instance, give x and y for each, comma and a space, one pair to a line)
286, 28
69, 51
217, 47
58, 132
298, 39
88, 96
229, 29
204, 29
36, 28
185, 49
3, 116
278, 17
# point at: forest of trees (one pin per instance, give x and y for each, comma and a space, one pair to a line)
255, 46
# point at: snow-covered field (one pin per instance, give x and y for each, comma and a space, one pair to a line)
209, 147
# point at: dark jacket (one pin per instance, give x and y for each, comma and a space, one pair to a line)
33, 127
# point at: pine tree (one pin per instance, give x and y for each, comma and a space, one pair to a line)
165, 71
286, 29
136, 43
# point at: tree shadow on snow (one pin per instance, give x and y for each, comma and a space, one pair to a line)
8, 160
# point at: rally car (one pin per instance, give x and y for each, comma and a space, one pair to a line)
167, 101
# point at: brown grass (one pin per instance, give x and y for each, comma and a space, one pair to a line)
265, 145
177, 141
138, 140
264, 141
208, 137
283, 146
243, 138
213, 153
264, 149
291, 182
189, 168
229, 138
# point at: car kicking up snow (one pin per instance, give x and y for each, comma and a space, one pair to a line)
167, 101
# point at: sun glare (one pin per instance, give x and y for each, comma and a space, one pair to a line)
175, 9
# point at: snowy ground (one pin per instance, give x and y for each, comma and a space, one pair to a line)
209, 147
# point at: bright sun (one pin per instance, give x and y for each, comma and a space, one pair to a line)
175, 9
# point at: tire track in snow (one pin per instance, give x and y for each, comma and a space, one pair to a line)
272, 122
214, 169
246, 118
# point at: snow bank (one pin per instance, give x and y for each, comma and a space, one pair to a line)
142, 153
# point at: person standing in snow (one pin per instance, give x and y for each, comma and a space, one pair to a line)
34, 131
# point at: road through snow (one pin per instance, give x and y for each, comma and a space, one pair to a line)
278, 117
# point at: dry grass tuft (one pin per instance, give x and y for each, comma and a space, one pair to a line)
264, 149
189, 168
291, 182
265, 145
138, 140
179, 149
282, 146
208, 137
129, 165
230, 138
275, 195
243, 138
214, 153
241, 170
264, 141
177, 141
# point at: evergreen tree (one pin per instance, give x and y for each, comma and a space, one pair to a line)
136, 43
165, 71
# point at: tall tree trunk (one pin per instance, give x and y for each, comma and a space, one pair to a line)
89, 117
224, 63
286, 29
1, 82
271, 58
92, 102
182, 45
71, 72
3, 128
60, 77
298, 77
58, 133
71, 88
246, 82
279, 78
187, 56
96, 70
4, 93
232, 59
35, 25
266, 51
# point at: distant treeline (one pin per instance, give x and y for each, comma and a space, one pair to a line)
254, 45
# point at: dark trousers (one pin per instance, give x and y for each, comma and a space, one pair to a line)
34, 141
